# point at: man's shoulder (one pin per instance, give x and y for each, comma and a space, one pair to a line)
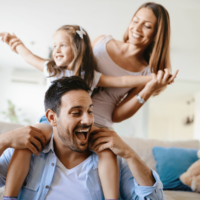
8, 153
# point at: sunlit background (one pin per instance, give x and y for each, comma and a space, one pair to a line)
173, 115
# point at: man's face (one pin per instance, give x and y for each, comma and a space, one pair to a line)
75, 120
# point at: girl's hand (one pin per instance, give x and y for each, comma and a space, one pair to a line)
160, 81
11, 40
27, 137
17, 46
102, 139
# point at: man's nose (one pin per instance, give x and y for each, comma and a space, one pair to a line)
87, 118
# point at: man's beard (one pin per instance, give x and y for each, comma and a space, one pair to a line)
68, 139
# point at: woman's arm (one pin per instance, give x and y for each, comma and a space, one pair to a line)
17, 46
130, 105
123, 81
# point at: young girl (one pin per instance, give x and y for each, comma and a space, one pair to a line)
72, 55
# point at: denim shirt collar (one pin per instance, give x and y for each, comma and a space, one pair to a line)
50, 147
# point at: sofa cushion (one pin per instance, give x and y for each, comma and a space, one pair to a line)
180, 195
5, 127
143, 147
171, 163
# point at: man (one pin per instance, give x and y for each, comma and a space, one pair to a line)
66, 169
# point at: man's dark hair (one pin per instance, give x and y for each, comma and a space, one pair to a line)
59, 87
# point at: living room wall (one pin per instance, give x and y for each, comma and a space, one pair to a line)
35, 22
27, 97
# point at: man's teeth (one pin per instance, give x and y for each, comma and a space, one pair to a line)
83, 130
135, 35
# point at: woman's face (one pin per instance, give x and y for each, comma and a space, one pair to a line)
142, 28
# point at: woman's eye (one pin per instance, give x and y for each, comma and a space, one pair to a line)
54, 46
135, 21
63, 45
147, 26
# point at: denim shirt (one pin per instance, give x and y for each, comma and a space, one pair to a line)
42, 168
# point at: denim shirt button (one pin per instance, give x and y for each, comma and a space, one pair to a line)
52, 164
47, 187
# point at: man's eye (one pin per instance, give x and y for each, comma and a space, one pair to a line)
75, 113
90, 111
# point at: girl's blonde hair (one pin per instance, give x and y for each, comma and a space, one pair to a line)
157, 54
83, 58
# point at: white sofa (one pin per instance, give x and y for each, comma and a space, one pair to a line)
143, 147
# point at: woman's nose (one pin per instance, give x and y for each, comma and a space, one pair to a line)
138, 27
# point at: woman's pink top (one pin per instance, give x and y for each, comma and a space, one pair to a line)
106, 100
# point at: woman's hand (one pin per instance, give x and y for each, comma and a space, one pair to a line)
160, 81
11, 40
102, 139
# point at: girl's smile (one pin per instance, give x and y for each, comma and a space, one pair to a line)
62, 52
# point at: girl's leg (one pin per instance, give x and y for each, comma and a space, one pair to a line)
109, 174
17, 172
20, 163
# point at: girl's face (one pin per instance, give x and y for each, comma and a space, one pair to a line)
142, 28
62, 52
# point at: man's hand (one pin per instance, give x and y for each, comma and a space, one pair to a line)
105, 139
102, 139
25, 138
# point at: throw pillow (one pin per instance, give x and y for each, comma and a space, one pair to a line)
171, 163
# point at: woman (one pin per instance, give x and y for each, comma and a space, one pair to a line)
145, 49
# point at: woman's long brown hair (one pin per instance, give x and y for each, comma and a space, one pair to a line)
157, 54
83, 63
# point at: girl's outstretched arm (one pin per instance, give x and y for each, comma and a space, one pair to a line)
17, 46
123, 81
20, 164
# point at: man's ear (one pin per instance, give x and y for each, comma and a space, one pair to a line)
51, 117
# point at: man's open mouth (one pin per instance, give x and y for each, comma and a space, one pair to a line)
82, 134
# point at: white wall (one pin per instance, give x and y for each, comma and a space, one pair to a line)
197, 116
167, 121
27, 97
137, 125
36, 20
